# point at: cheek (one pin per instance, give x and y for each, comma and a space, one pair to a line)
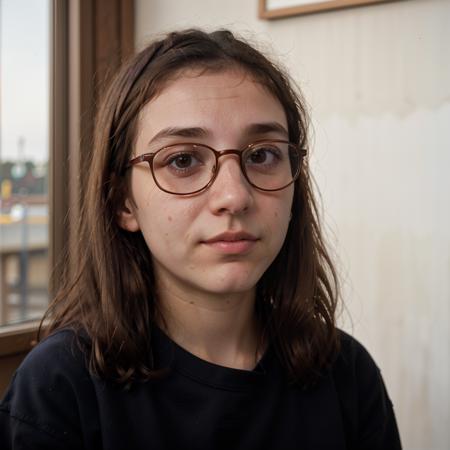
159, 232
278, 218
158, 225
282, 207
165, 222
280, 225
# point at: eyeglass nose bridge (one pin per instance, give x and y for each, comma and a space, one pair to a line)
229, 151
225, 152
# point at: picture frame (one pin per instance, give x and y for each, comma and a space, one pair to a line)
276, 9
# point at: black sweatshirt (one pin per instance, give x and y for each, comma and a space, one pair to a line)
54, 403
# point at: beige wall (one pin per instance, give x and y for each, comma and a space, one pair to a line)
378, 82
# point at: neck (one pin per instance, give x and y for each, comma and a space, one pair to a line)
222, 329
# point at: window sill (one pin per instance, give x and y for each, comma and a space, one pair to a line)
18, 338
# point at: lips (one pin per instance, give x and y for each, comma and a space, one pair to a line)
239, 242
232, 236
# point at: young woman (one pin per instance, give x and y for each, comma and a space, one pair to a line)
203, 312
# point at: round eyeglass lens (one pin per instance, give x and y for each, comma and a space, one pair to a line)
183, 168
271, 165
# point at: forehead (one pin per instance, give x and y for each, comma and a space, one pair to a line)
220, 102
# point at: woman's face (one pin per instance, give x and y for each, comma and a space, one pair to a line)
222, 240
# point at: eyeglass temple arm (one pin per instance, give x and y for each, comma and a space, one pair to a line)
140, 158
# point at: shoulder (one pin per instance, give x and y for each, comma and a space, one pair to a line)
365, 404
46, 389
57, 362
355, 374
353, 358
57, 352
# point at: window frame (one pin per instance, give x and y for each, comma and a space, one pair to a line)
89, 40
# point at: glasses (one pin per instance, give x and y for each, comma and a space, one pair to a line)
189, 168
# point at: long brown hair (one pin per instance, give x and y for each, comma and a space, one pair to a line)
111, 297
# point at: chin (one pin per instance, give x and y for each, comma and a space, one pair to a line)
232, 290
234, 284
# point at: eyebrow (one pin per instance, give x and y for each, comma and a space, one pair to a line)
266, 127
198, 132
189, 132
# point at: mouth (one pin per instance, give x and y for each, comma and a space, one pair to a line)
239, 242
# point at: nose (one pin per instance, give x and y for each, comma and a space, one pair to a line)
230, 193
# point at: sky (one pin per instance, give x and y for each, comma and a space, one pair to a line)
24, 79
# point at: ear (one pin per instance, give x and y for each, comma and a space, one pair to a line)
127, 217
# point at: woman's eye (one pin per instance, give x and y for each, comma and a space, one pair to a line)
264, 156
183, 162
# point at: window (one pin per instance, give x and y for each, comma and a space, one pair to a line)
24, 157
83, 43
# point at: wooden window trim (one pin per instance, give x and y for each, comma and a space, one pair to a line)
90, 39
17, 339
